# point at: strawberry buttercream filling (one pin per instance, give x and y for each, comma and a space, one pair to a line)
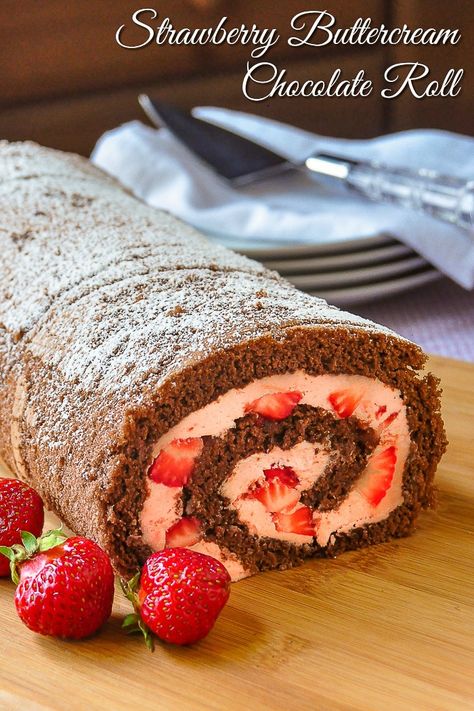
265, 489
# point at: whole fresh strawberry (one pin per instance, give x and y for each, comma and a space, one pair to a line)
65, 585
21, 509
178, 596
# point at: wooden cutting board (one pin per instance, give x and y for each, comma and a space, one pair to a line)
390, 627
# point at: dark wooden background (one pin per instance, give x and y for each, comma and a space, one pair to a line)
64, 80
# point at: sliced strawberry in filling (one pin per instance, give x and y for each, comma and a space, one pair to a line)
381, 411
300, 522
378, 475
185, 532
275, 496
285, 474
388, 421
275, 406
175, 463
344, 402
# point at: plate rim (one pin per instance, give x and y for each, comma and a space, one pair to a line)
369, 274
307, 248
325, 263
357, 294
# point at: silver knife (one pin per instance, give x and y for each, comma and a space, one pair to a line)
241, 162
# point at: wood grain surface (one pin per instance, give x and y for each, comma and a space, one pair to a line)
390, 627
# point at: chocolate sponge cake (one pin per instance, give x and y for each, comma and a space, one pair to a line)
159, 390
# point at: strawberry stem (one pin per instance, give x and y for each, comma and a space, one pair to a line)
133, 622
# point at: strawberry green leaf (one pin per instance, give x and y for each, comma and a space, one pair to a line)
51, 539
14, 572
30, 543
129, 589
15, 554
7, 552
131, 621
133, 583
148, 637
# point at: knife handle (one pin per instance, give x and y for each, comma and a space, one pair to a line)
443, 197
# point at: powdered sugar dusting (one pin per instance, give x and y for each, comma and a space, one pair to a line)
111, 292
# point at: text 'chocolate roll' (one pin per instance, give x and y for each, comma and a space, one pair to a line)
159, 390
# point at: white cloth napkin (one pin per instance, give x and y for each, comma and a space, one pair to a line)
292, 208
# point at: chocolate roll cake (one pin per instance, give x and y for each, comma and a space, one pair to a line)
159, 390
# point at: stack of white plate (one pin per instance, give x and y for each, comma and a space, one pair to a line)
343, 273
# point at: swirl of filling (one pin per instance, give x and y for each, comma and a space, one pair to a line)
268, 474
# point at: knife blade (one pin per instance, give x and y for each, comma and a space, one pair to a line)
230, 155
